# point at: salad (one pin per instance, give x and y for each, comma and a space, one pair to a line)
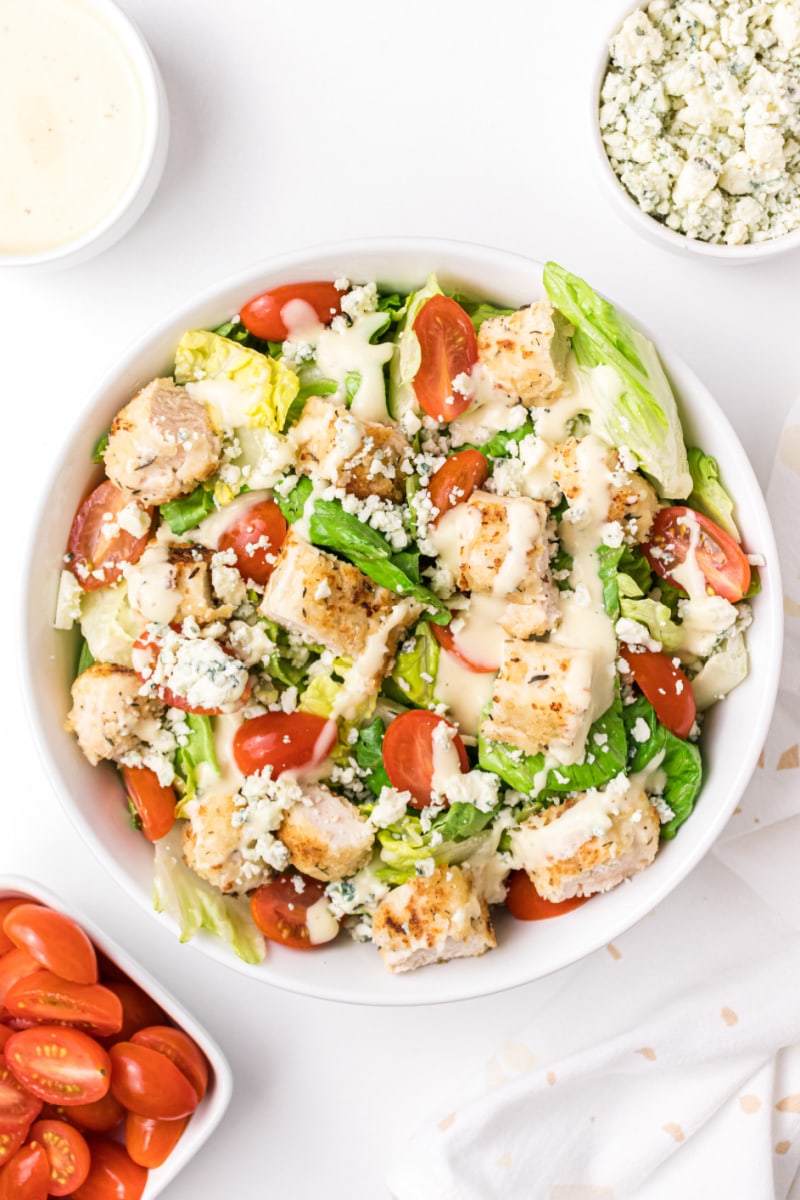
396, 607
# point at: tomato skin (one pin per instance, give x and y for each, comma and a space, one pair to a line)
447, 641
67, 1155
524, 902
89, 546
150, 1142
179, 1047
278, 910
263, 520
666, 687
448, 348
53, 940
6, 906
259, 743
14, 965
60, 1065
457, 478
262, 316
138, 1009
44, 996
154, 802
723, 563
149, 1083
100, 1116
26, 1175
11, 1141
18, 1108
113, 1175
408, 753
5, 1033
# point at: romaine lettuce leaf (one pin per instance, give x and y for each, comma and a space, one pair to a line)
405, 843
188, 511
109, 625
199, 748
478, 311
413, 677
722, 672
369, 755
641, 414
293, 504
708, 494
270, 386
681, 764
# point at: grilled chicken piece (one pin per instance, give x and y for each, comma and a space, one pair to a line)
213, 847
170, 583
631, 499
432, 919
363, 457
590, 843
326, 835
525, 354
107, 712
161, 444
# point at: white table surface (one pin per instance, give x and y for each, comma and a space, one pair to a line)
294, 124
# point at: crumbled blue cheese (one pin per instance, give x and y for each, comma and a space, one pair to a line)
193, 667
700, 116
259, 808
391, 807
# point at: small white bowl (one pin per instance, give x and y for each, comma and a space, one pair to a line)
641, 221
341, 970
212, 1107
147, 176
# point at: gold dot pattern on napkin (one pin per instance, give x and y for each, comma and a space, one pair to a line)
446, 1121
789, 1103
729, 1016
551, 1077
749, 1104
646, 1052
790, 759
782, 1147
789, 448
613, 951
674, 1130
518, 1056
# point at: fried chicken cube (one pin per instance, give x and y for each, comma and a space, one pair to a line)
326, 836
108, 711
365, 458
525, 354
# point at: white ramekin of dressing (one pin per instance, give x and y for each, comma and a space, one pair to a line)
84, 129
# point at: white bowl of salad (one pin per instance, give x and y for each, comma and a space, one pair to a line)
377, 615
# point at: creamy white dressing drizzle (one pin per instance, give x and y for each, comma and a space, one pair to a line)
465, 693
360, 682
230, 778
592, 816
209, 531
477, 631
688, 574
322, 925
522, 537
152, 591
454, 530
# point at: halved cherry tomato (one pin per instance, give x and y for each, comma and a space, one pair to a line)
53, 940
62, 1066
447, 640
138, 1009
408, 753
5, 1033
150, 1141
154, 802
457, 479
10, 1142
448, 348
44, 996
283, 741
113, 1175
13, 966
101, 1116
92, 548
67, 1155
666, 687
524, 902
256, 537
263, 315
178, 1046
279, 910
723, 563
17, 1106
149, 1083
6, 906
26, 1176
145, 651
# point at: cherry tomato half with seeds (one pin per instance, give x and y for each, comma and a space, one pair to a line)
149, 1083
154, 802
26, 1175
149, 1141
15, 965
408, 753
263, 315
279, 910
97, 555
18, 1108
44, 996
54, 940
723, 563
524, 902
113, 1175
255, 538
179, 1047
283, 741
666, 687
67, 1155
448, 348
456, 480
138, 1009
11, 1141
59, 1065
100, 1116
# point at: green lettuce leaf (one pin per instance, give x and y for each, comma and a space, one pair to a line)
369, 755
199, 748
643, 415
708, 494
109, 625
188, 511
618, 568
406, 359
404, 844
478, 311
194, 904
100, 448
293, 504
85, 658
413, 677
681, 764
656, 617
270, 385
727, 667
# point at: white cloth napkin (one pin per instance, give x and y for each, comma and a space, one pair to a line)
667, 1066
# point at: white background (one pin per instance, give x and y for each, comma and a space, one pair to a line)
306, 122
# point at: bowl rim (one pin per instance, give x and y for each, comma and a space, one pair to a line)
132, 40
771, 603
218, 1097
627, 206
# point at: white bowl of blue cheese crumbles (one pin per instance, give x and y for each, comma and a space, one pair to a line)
699, 122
